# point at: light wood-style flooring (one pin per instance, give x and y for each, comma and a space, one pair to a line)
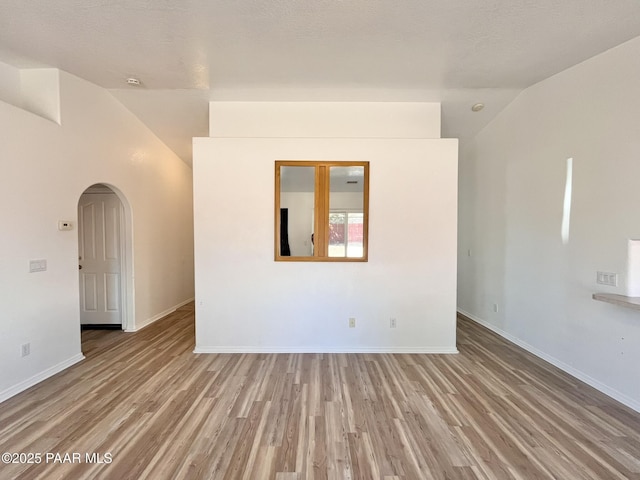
158, 411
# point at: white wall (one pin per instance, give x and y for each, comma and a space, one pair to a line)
350, 201
41, 92
245, 301
45, 169
512, 186
10, 84
325, 119
36, 90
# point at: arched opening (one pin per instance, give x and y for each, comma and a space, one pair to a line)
105, 259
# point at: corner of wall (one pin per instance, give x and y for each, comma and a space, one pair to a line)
35, 90
41, 92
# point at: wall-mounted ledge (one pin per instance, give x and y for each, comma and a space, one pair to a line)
623, 301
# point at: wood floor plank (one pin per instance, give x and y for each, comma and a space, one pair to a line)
148, 408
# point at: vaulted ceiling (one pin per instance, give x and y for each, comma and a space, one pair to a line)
187, 52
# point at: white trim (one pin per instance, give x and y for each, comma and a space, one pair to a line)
346, 349
124, 272
127, 299
155, 318
98, 188
39, 377
616, 395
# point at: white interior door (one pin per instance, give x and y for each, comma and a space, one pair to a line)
100, 253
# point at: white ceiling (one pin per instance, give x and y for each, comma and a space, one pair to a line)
187, 52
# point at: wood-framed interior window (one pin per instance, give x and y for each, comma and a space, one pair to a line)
321, 211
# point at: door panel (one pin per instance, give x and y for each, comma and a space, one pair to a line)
89, 292
111, 232
112, 292
100, 250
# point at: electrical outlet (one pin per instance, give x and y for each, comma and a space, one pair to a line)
392, 323
495, 307
37, 266
352, 322
606, 278
25, 349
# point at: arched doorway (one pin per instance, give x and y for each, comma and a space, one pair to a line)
105, 259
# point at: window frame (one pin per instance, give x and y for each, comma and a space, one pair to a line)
322, 194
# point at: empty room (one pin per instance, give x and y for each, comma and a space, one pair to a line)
337, 239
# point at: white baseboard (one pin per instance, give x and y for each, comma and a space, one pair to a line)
247, 349
145, 323
39, 377
616, 395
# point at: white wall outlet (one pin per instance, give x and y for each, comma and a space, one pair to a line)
37, 266
392, 322
352, 322
607, 278
25, 349
495, 307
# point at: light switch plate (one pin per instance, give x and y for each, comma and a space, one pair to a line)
606, 278
37, 266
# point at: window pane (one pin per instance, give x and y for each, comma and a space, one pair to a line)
346, 205
337, 234
297, 185
355, 235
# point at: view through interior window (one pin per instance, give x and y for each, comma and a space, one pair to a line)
321, 211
